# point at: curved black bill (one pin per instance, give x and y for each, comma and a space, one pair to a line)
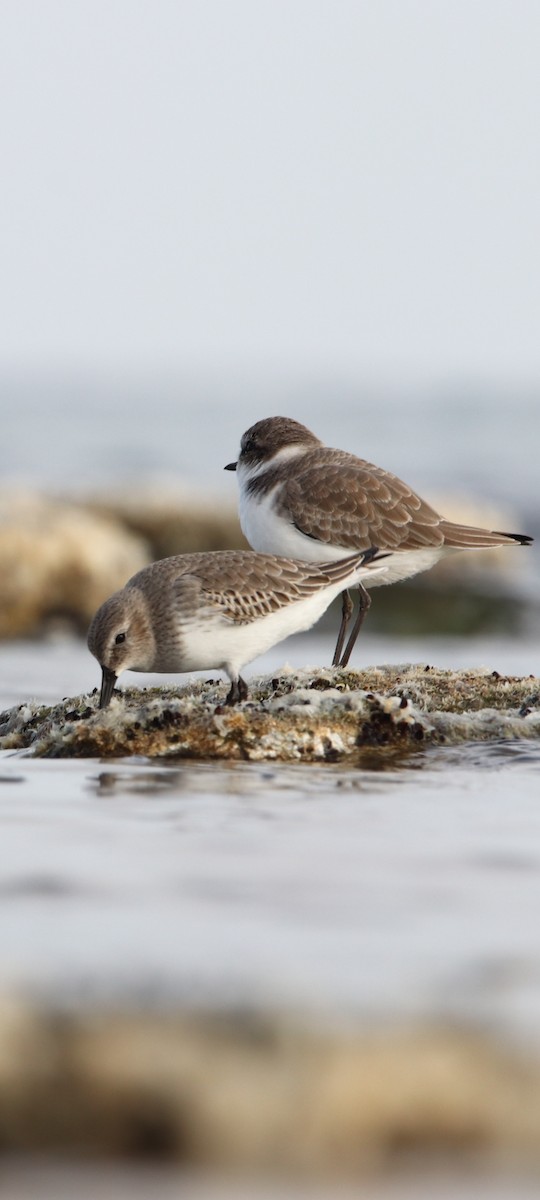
230, 467
108, 680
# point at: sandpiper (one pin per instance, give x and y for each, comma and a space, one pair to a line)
218, 609
301, 498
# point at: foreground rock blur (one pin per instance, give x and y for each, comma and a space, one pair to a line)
239, 1091
322, 715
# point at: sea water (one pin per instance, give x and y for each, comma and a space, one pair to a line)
388, 893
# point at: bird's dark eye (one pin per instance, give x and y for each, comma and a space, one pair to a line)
248, 446
120, 637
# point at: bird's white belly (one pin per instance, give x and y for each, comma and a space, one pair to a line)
211, 641
402, 564
270, 533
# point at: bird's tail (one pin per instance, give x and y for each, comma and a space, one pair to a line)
463, 537
522, 539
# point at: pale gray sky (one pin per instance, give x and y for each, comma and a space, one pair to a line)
348, 185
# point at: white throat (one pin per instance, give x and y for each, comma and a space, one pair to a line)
285, 454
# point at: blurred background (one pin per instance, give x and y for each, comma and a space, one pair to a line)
216, 212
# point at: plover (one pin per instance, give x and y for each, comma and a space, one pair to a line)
219, 609
301, 498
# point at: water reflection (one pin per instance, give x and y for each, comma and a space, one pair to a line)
143, 777
136, 782
378, 770
486, 756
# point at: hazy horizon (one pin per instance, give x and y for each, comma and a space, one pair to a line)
296, 186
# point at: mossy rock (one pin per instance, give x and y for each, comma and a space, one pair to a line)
301, 716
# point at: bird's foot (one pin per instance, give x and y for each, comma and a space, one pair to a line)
238, 691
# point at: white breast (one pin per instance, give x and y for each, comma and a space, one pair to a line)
270, 533
211, 641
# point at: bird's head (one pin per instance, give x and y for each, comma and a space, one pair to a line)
121, 638
274, 436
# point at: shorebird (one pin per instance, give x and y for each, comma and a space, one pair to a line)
218, 609
301, 498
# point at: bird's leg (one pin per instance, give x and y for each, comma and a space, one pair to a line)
364, 602
346, 610
238, 691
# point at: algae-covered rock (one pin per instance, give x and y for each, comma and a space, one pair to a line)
303, 716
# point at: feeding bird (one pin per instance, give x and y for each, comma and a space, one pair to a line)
216, 609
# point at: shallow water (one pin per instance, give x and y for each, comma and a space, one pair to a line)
365, 893
330, 891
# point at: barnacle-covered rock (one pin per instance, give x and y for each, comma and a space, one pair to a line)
302, 716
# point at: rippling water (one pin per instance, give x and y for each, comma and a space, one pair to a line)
367, 893
364, 894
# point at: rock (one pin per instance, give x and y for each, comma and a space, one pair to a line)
58, 560
304, 716
240, 1091
173, 519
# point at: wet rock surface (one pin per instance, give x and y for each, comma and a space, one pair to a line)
301, 716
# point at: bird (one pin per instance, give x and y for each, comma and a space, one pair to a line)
218, 609
301, 498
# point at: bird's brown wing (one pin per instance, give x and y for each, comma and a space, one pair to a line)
337, 498
243, 586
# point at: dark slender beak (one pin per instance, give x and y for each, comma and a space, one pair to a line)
230, 467
108, 680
